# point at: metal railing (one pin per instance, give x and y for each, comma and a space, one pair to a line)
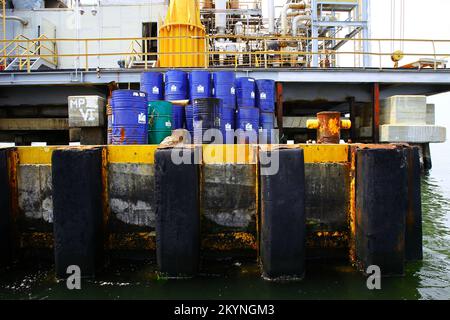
248, 52
25, 49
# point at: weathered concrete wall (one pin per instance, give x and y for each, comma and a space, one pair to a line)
229, 201
132, 216
34, 184
327, 196
131, 195
229, 206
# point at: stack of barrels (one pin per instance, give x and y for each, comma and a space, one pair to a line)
217, 100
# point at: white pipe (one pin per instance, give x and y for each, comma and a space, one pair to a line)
15, 18
295, 22
271, 15
221, 18
284, 14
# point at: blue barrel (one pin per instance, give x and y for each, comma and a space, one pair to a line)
177, 117
206, 115
266, 127
227, 124
129, 119
245, 92
265, 95
199, 84
266, 120
247, 122
223, 88
176, 86
153, 85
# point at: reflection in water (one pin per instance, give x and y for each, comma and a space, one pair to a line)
429, 279
435, 271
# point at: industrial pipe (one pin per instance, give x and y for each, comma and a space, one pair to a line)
221, 18
271, 15
15, 18
284, 12
295, 22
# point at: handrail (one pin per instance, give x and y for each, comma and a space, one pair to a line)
261, 58
32, 49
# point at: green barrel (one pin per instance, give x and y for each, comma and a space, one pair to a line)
159, 121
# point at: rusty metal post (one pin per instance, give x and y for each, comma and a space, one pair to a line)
376, 113
279, 109
328, 125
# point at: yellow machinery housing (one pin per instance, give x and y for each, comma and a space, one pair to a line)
182, 37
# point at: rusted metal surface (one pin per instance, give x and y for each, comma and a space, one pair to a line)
133, 241
13, 162
327, 239
36, 240
329, 130
329, 126
230, 242
105, 197
352, 205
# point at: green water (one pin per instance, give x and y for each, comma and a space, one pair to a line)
428, 279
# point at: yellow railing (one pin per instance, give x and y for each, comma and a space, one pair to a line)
25, 49
288, 53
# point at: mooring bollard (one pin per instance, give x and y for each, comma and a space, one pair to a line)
177, 212
77, 210
329, 126
413, 236
381, 206
5, 210
283, 234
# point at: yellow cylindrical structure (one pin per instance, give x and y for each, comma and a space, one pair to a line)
312, 124
346, 124
182, 37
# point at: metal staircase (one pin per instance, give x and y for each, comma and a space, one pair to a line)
29, 55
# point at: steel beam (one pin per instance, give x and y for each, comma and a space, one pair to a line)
335, 75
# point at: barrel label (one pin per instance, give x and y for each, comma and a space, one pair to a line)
251, 80
173, 88
252, 94
248, 127
200, 89
263, 96
232, 90
135, 94
155, 90
213, 91
168, 124
142, 119
142, 94
228, 127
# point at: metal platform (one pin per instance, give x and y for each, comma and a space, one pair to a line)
289, 75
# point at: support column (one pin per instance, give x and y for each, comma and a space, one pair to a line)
177, 212
77, 209
283, 231
280, 109
376, 113
352, 107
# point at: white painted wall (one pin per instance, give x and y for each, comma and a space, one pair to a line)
111, 21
